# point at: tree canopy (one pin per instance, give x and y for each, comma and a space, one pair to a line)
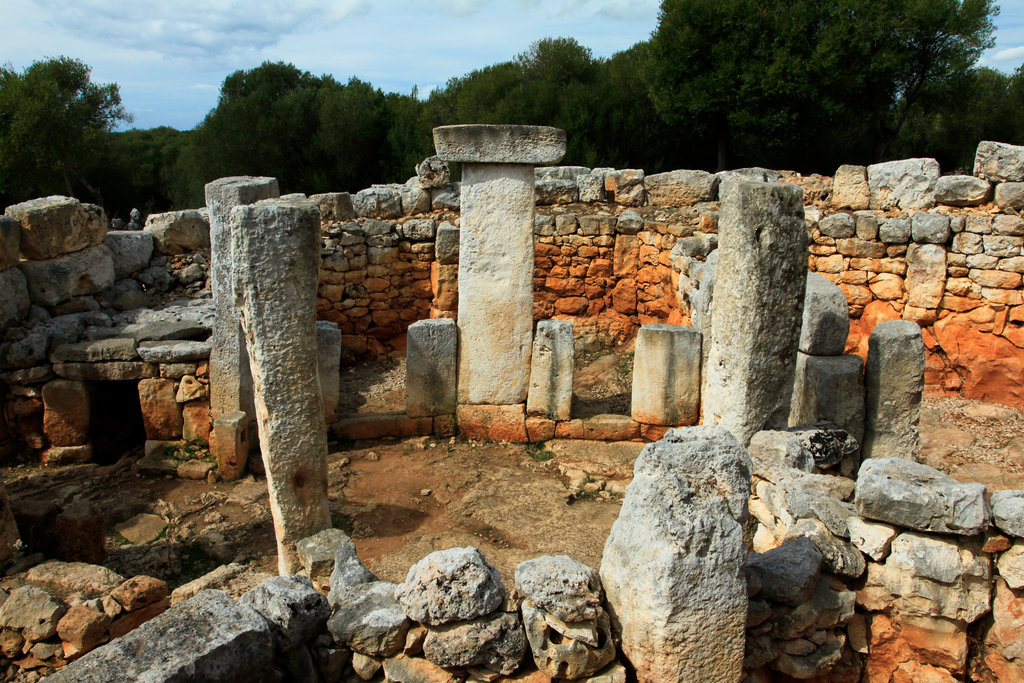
53, 121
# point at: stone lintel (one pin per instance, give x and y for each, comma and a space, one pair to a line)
500, 144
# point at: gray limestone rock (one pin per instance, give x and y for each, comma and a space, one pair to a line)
561, 656
962, 190
666, 375
906, 183
682, 614
15, 303
294, 609
895, 231
419, 229
926, 271
780, 449
89, 271
179, 232
446, 244
837, 556
826, 318
495, 642
335, 207
348, 572
827, 607
1008, 512
379, 201
173, 351
207, 638
629, 222
54, 226
1010, 196
447, 197
369, 620
430, 354
32, 612
916, 496
930, 228
788, 573
111, 348
761, 281
130, 250
551, 371
561, 586
680, 188
893, 386
838, 226
556, 191
500, 144
432, 172
998, 161
450, 585
319, 551
328, 367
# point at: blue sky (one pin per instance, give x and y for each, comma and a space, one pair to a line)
170, 57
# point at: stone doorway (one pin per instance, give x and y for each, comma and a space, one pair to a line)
116, 425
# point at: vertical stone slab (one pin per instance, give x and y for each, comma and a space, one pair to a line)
161, 414
666, 375
231, 429
551, 371
66, 412
758, 307
430, 352
673, 567
276, 249
831, 389
893, 384
826, 318
230, 382
328, 355
495, 315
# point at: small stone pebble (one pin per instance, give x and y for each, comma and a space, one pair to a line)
425, 492
372, 455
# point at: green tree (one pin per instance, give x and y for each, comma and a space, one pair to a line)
53, 122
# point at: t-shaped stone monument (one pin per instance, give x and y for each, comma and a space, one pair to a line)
496, 253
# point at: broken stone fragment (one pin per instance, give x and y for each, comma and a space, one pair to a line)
789, 573
561, 586
574, 650
369, 620
294, 609
450, 585
318, 552
33, 612
1008, 512
871, 538
495, 642
348, 572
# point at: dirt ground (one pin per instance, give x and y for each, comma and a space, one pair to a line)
401, 499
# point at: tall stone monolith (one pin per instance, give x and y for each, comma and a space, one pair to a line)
495, 318
673, 567
666, 375
276, 249
551, 371
230, 381
758, 307
893, 385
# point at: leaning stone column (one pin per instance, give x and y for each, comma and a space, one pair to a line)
230, 382
276, 245
893, 384
758, 307
495, 317
674, 563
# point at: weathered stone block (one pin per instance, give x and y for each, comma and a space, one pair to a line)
826, 318
500, 144
930, 228
160, 412
838, 226
666, 375
335, 207
551, 371
15, 303
55, 226
850, 188
907, 184
926, 275
682, 615
431, 350
66, 412
493, 422
893, 385
962, 190
998, 161
84, 272
180, 232
1010, 196
829, 389
916, 496
328, 366
680, 188
10, 242
295, 610
758, 302
130, 250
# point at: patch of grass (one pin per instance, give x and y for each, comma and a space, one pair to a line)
625, 365
539, 451
188, 451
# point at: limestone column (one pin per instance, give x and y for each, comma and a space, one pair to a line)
757, 307
430, 353
893, 384
495, 316
551, 371
230, 382
276, 248
328, 339
666, 375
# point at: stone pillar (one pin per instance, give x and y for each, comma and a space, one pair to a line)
673, 567
495, 319
328, 355
230, 381
666, 375
430, 352
893, 384
758, 307
551, 371
231, 429
276, 247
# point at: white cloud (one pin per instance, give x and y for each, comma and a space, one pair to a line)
198, 29
459, 8
1008, 54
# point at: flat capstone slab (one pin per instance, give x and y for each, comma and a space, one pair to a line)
500, 144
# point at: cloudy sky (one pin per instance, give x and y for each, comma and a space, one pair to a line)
170, 57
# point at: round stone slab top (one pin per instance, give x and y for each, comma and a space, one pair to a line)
500, 144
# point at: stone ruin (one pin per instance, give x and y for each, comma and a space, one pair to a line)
791, 535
